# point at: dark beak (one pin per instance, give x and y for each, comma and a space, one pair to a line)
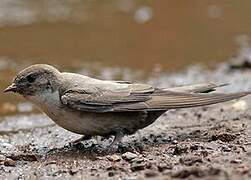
11, 88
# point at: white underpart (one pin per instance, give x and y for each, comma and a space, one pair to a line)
46, 99
69, 119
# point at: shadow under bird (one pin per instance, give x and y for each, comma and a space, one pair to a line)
91, 107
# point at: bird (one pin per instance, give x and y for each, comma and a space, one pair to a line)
94, 107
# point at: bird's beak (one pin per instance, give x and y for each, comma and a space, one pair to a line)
11, 88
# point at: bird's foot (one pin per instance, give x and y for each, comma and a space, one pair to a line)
112, 147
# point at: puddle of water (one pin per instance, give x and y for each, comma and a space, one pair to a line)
116, 39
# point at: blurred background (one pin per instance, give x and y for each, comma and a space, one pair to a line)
117, 39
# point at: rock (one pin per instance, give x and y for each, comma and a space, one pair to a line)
72, 172
180, 149
112, 167
151, 173
185, 173
138, 167
114, 158
9, 162
129, 156
24, 157
111, 173
137, 160
162, 167
236, 161
224, 137
198, 172
226, 149
194, 147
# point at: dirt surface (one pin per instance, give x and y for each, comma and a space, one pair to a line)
212, 142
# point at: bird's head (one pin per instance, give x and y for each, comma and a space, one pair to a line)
35, 80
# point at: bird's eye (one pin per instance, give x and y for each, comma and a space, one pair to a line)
31, 78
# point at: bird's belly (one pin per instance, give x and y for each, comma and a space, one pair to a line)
80, 123
88, 123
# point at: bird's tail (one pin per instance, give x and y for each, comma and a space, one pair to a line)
175, 100
197, 88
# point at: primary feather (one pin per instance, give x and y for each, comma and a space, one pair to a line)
141, 97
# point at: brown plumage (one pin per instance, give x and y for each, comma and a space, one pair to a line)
90, 106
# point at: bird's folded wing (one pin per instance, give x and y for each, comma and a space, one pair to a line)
138, 97
98, 99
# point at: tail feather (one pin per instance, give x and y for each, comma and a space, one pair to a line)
196, 88
175, 100
183, 100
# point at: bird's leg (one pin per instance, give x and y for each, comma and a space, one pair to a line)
113, 146
83, 138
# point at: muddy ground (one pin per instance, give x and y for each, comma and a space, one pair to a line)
212, 142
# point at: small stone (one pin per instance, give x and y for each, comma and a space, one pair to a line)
224, 137
236, 161
129, 156
162, 167
111, 173
179, 149
73, 171
137, 160
138, 167
151, 173
9, 162
114, 158
194, 147
226, 149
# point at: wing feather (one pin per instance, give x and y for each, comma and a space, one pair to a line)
141, 97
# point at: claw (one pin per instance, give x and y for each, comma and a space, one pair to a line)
112, 147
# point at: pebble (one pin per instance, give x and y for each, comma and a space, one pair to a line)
162, 167
111, 173
73, 171
151, 173
9, 162
236, 161
179, 149
226, 149
114, 158
138, 167
129, 156
137, 160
